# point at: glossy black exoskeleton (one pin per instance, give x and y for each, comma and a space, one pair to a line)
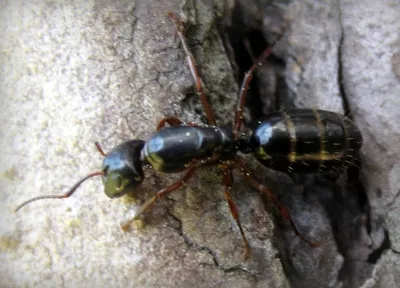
306, 141
293, 141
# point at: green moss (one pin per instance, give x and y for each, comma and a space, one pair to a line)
8, 244
74, 223
10, 174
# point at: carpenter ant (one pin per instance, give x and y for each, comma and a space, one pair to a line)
294, 141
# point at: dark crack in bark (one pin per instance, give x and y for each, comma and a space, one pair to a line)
190, 243
377, 253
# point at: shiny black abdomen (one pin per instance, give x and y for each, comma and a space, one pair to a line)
172, 148
306, 141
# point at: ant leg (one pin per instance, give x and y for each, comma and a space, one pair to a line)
173, 121
193, 69
238, 164
245, 86
227, 182
247, 46
210, 160
162, 193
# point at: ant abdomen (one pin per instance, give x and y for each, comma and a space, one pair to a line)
306, 141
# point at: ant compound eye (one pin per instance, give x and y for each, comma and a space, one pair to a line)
114, 184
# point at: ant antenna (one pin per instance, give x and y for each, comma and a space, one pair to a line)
100, 149
62, 196
73, 188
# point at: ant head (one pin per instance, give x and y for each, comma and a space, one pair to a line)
122, 171
122, 168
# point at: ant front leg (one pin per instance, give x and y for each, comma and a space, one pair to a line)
193, 69
238, 164
173, 121
227, 182
160, 194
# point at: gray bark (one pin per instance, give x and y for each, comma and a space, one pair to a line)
77, 72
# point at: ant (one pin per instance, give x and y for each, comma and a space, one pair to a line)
292, 141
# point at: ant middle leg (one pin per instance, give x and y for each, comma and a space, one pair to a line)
238, 164
160, 194
193, 69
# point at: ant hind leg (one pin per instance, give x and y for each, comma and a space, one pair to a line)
238, 164
227, 182
245, 86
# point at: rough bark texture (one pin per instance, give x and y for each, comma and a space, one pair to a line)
76, 72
